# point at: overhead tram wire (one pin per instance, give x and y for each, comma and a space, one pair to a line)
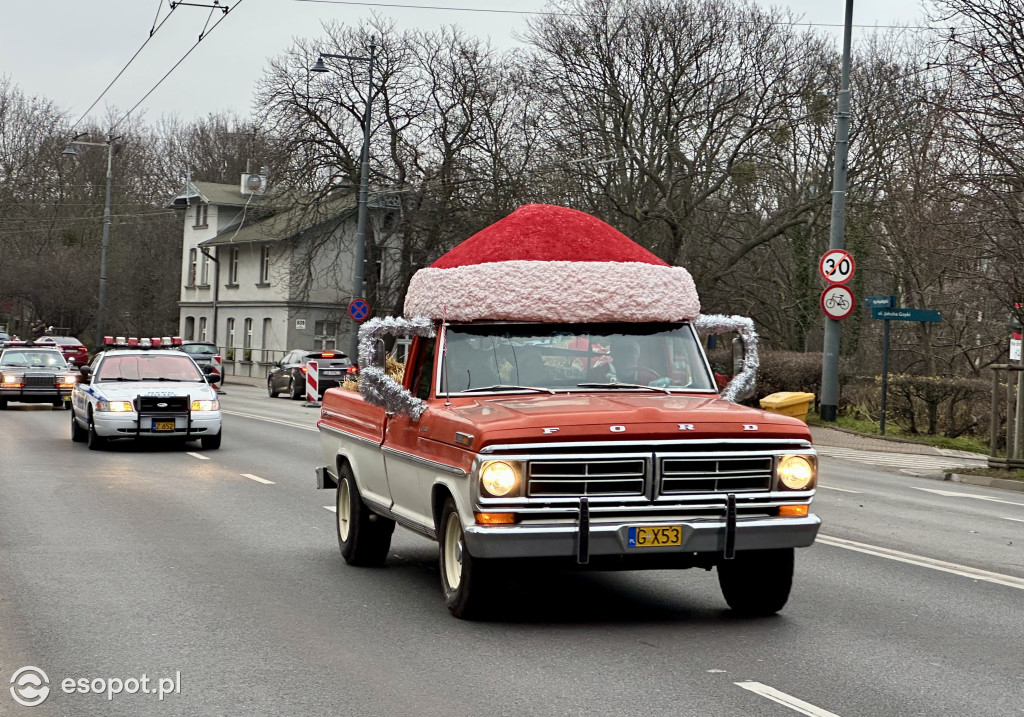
545, 13
202, 37
152, 31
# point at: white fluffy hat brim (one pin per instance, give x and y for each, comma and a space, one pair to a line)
554, 291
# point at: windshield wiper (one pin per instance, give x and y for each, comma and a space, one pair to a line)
117, 378
623, 385
508, 387
162, 378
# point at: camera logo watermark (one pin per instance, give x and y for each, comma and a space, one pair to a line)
30, 686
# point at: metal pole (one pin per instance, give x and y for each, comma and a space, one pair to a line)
364, 190
885, 373
993, 424
1009, 417
103, 247
830, 358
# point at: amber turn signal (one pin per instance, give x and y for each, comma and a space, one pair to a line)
794, 511
495, 518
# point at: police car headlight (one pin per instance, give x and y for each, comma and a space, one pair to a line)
115, 406
10, 379
213, 405
797, 472
67, 380
499, 478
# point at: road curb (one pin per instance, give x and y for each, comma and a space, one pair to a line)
988, 481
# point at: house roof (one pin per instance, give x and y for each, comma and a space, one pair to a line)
225, 195
267, 225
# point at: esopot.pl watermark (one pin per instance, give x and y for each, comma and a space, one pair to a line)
30, 686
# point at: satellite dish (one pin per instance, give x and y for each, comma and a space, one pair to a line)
256, 184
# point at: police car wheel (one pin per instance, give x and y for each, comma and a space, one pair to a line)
3, 404
95, 441
57, 403
78, 434
756, 583
211, 442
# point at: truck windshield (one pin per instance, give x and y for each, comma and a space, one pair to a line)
567, 357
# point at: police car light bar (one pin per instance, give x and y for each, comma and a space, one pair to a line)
155, 342
108, 340
133, 342
175, 341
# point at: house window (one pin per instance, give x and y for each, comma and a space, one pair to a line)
192, 267
265, 265
204, 273
247, 341
202, 328
265, 341
201, 209
190, 328
233, 266
231, 334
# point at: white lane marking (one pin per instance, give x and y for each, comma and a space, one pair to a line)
332, 508
842, 490
962, 570
200, 456
1015, 520
250, 476
797, 705
958, 494
303, 426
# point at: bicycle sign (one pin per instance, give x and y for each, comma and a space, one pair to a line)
836, 266
837, 302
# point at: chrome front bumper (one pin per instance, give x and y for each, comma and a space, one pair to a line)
604, 539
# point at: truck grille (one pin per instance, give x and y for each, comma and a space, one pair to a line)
715, 474
45, 381
587, 477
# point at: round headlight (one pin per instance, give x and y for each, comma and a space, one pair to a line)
796, 472
499, 479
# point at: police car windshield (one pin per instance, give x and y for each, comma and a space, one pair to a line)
32, 359
148, 368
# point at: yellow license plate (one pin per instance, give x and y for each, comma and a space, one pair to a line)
655, 537
163, 425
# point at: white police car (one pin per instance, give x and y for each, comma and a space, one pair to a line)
144, 393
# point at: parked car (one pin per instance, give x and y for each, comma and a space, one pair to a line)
202, 352
30, 374
74, 350
288, 376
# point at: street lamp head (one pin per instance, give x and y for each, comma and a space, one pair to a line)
70, 150
319, 66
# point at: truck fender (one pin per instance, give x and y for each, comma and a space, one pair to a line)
442, 489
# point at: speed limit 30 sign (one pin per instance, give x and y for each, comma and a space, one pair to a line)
836, 266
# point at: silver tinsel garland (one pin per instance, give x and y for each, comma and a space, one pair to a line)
744, 326
375, 386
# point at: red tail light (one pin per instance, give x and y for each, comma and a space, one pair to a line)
327, 354
302, 368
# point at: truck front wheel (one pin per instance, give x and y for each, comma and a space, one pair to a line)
363, 536
757, 582
466, 580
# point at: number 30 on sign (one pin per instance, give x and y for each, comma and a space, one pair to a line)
836, 266
837, 302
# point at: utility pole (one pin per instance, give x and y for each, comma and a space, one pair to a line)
829, 399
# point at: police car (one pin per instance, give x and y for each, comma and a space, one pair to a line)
136, 388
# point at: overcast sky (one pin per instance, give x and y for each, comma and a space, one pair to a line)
68, 51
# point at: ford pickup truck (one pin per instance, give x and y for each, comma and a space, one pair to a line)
514, 434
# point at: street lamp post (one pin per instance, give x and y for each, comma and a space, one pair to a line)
364, 187
102, 299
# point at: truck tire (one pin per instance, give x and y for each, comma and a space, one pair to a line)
78, 434
757, 582
95, 441
465, 580
363, 536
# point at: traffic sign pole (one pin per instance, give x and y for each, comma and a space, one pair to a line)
885, 374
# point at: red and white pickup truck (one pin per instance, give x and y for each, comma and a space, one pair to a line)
563, 435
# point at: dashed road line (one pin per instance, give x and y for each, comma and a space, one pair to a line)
250, 476
332, 508
920, 560
200, 456
794, 703
1015, 520
279, 421
841, 490
958, 494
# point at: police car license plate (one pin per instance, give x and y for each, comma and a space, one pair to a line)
163, 425
655, 537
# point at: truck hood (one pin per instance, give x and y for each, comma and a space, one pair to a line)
620, 416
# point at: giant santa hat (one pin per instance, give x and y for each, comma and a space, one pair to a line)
547, 263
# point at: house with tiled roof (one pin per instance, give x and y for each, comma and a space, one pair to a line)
265, 273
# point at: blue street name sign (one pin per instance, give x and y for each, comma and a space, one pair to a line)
907, 314
880, 302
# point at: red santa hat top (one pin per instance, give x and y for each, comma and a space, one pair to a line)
547, 263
